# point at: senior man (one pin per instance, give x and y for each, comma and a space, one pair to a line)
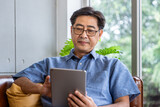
108, 84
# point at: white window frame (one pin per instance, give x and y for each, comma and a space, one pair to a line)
136, 38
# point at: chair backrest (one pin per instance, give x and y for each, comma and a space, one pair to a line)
5, 83
138, 101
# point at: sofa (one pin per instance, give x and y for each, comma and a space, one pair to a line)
7, 80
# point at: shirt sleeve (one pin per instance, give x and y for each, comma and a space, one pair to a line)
36, 72
122, 83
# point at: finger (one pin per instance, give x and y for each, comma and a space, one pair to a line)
81, 97
76, 100
71, 103
47, 82
47, 79
86, 93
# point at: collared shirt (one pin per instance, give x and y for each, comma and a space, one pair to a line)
107, 78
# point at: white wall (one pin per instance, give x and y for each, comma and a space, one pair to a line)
7, 36
35, 31
27, 33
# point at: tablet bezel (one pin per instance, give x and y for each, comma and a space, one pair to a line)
66, 81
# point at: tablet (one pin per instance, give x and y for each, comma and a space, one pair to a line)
65, 81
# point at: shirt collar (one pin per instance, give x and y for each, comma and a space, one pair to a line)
92, 53
70, 55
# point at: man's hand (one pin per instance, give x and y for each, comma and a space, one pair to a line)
46, 88
79, 100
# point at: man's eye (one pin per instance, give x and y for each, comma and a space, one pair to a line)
90, 31
79, 28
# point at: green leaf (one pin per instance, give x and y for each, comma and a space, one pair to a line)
66, 49
69, 45
110, 50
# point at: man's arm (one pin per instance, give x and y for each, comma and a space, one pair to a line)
120, 102
29, 87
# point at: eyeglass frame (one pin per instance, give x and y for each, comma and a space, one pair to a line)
85, 31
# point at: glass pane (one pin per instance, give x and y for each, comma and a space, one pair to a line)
117, 31
151, 52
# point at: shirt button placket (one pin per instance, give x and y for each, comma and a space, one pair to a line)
79, 65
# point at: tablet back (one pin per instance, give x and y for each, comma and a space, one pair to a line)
65, 81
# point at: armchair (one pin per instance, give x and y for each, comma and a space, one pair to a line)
7, 80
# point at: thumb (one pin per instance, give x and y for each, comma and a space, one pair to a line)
47, 80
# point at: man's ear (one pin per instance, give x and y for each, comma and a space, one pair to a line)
100, 33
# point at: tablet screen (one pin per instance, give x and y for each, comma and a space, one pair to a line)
65, 81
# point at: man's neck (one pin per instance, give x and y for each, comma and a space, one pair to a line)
80, 54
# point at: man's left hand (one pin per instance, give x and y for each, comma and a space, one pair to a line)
79, 100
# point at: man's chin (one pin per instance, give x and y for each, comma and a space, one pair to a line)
84, 50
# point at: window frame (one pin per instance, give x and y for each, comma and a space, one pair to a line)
136, 38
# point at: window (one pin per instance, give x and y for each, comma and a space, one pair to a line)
118, 32
151, 52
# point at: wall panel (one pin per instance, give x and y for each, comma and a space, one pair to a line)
7, 37
35, 31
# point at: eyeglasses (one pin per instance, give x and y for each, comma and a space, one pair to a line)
80, 31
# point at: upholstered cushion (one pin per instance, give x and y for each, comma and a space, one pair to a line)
17, 98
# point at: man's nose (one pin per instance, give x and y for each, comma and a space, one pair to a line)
84, 34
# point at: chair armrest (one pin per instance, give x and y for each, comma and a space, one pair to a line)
5, 83
138, 101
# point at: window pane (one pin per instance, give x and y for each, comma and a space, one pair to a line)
151, 52
117, 31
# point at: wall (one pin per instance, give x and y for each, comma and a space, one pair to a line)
27, 33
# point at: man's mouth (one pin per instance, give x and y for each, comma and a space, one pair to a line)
83, 42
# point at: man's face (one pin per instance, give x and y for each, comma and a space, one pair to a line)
85, 42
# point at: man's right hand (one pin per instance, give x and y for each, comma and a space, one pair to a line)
29, 87
46, 87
